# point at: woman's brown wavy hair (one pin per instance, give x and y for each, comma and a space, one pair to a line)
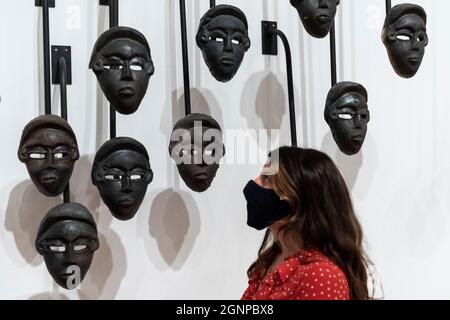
323, 215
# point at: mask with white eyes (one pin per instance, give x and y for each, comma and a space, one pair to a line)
49, 150
405, 37
347, 114
197, 148
317, 15
223, 38
67, 239
121, 60
122, 173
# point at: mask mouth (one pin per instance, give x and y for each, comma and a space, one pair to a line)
126, 92
65, 274
48, 179
414, 59
201, 175
228, 61
323, 18
358, 138
126, 201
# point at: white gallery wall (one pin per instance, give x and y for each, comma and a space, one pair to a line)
184, 245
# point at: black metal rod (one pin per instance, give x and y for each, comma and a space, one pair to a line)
388, 6
212, 3
333, 55
113, 22
46, 35
114, 13
184, 44
63, 88
290, 81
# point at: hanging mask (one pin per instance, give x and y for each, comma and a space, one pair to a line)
49, 149
197, 147
223, 38
122, 62
347, 114
122, 173
317, 15
405, 37
67, 238
264, 206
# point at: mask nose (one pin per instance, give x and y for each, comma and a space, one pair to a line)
357, 122
70, 256
127, 73
323, 4
126, 185
228, 44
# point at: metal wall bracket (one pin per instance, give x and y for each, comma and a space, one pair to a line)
57, 53
269, 38
38, 3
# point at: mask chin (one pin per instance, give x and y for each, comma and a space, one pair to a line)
200, 183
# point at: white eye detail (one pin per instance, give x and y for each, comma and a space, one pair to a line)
37, 156
80, 247
403, 37
136, 68
107, 67
219, 40
345, 116
135, 177
57, 248
234, 41
59, 155
111, 177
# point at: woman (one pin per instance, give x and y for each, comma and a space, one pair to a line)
312, 249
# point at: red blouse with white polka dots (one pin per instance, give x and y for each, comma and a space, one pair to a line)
309, 275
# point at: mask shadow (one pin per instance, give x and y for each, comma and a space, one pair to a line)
171, 228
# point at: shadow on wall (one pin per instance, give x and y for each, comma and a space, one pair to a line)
25, 210
350, 166
263, 99
174, 222
49, 296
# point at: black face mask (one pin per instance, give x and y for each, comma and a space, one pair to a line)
264, 206
123, 64
67, 238
223, 38
405, 37
317, 15
49, 149
122, 173
347, 114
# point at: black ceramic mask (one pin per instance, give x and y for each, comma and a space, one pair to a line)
317, 15
122, 173
347, 114
405, 37
122, 62
48, 148
197, 147
67, 238
223, 38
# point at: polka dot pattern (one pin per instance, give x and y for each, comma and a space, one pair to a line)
307, 276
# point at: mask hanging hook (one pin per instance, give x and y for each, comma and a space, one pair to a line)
270, 47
